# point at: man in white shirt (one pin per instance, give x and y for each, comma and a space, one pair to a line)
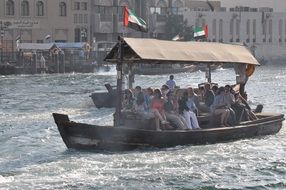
171, 83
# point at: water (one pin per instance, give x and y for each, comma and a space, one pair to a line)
33, 155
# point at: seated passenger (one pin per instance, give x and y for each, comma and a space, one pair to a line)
229, 98
208, 96
128, 101
148, 95
219, 107
171, 114
187, 113
215, 89
193, 101
164, 90
142, 109
200, 92
242, 109
157, 103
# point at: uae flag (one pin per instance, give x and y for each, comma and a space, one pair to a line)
132, 21
178, 37
18, 38
47, 37
201, 32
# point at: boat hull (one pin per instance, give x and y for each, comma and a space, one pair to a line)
93, 137
103, 99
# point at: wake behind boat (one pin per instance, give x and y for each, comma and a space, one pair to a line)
130, 131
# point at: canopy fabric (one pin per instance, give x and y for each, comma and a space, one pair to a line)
150, 50
36, 46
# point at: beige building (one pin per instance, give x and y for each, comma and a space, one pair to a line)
260, 28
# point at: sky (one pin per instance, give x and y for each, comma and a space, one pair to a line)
278, 5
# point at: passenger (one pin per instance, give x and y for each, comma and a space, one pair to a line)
158, 103
149, 96
128, 101
177, 98
171, 83
189, 115
200, 92
229, 98
208, 97
193, 101
243, 110
215, 89
240, 109
164, 90
142, 109
219, 107
171, 114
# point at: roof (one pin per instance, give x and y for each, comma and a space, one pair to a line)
36, 46
71, 45
162, 51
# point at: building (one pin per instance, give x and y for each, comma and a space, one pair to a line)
261, 28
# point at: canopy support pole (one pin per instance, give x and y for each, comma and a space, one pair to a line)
209, 73
117, 116
131, 76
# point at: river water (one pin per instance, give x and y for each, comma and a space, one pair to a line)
33, 155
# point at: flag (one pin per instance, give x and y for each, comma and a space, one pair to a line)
178, 37
47, 37
18, 38
132, 21
201, 32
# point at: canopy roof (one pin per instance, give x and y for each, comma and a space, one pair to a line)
162, 51
36, 46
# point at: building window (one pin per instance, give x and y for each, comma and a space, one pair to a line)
40, 8
85, 19
75, 20
77, 35
231, 27
237, 27
10, 8
264, 28
214, 28
248, 27
270, 27
25, 8
280, 28
254, 27
84, 6
220, 29
63, 9
76, 5
285, 29
270, 31
80, 18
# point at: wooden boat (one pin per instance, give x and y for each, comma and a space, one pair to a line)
129, 131
86, 136
105, 99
